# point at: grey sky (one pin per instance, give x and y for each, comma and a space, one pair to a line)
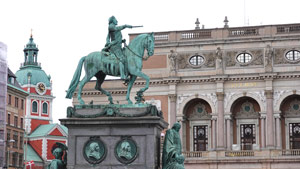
66, 30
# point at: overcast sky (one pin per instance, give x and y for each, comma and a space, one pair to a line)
66, 30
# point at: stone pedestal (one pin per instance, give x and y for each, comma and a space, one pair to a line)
123, 142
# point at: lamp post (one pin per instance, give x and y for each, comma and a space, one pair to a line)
8, 149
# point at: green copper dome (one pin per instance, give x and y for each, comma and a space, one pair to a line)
31, 68
36, 75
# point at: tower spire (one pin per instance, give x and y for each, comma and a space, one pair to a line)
30, 53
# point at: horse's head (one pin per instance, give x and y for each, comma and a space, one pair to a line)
150, 44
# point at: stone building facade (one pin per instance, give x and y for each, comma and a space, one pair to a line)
234, 89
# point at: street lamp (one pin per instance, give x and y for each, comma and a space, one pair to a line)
8, 150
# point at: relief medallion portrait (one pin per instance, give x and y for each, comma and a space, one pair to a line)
94, 150
126, 150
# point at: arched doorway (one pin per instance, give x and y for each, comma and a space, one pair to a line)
290, 110
245, 123
197, 122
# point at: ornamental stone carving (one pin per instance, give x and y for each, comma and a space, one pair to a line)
268, 58
247, 111
199, 112
219, 61
294, 108
173, 59
183, 60
257, 58
280, 58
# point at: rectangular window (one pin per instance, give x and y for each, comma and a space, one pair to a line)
294, 132
21, 160
15, 137
21, 125
8, 119
200, 134
16, 102
14, 159
16, 121
22, 104
21, 141
8, 135
247, 134
9, 99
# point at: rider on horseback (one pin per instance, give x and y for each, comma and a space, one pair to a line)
114, 44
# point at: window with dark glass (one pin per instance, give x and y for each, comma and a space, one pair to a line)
21, 141
247, 134
8, 119
196, 60
294, 132
9, 99
244, 58
14, 159
293, 55
200, 134
8, 135
16, 121
21, 123
22, 104
21, 160
15, 137
16, 102
34, 107
45, 108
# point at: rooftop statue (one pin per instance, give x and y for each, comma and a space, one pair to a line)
59, 150
172, 157
114, 60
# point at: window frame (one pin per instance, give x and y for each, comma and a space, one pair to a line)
289, 51
37, 107
244, 53
198, 64
45, 103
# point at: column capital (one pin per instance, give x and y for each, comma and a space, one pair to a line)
269, 94
220, 96
227, 117
277, 116
263, 116
172, 97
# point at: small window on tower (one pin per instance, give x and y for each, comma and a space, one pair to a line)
34, 107
45, 108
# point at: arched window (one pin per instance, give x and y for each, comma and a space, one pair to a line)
45, 108
34, 107
244, 58
292, 55
196, 60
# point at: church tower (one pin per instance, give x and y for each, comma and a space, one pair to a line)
34, 80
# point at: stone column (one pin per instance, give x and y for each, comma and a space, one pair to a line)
173, 112
278, 131
228, 131
220, 142
263, 130
214, 132
269, 121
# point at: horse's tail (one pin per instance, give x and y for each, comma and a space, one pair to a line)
76, 79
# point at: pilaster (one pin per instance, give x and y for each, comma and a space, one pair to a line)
220, 142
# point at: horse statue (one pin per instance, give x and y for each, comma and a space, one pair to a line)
100, 64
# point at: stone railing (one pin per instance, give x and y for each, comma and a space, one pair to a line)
288, 29
237, 32
239, 153
203, 34
161, 37
242, 153
192, 154
291, 152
